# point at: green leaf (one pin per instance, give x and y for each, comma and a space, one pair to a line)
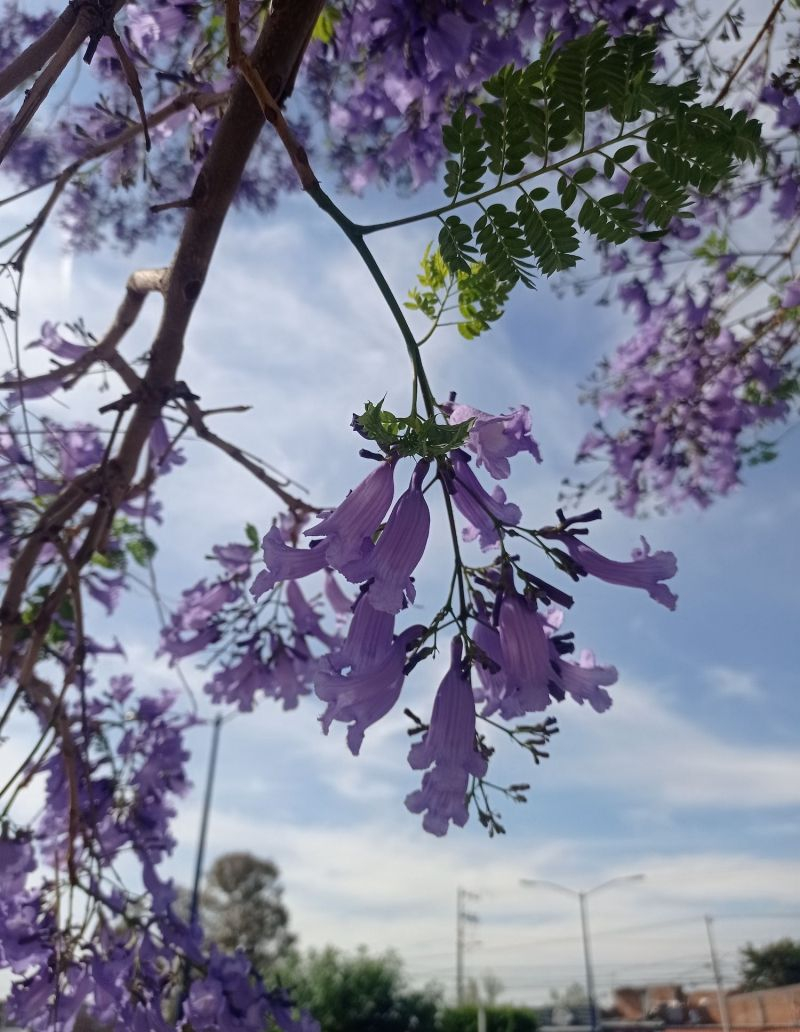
580, 77
584, 175
625, 153
141, 550
410, 435
549, 234
440, 438
504, 123
252, 536
607, 219
455, 244
502, 244
325, 27
463, 138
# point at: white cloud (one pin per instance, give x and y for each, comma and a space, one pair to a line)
728, 683
644, 749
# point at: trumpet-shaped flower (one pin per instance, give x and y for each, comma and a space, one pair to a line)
525, 660
496, 439
449, 746
583, 681
645, 570
367, 693
484, 511
347, 530
284, 562
369, 638
394, 558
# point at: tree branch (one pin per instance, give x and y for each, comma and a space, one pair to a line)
275, 57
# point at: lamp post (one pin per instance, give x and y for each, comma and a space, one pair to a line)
587, 952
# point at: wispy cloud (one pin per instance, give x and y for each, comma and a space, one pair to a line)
729, 683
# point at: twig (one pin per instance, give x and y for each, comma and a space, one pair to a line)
140, 284
271, 110
129, 68
37, 94
41, 50
773, 14
195, 416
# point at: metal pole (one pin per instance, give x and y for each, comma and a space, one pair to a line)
587, 957
201, 845
721, 997
459, 947
201, 852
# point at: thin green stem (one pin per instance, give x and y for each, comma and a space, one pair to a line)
458, 572
443, 307
355, 235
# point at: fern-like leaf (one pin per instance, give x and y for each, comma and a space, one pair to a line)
608, 219
463, 138
549, 234
503, 246
579, 76
504, 123
455, 244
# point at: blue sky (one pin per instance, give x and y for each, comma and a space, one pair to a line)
692, 778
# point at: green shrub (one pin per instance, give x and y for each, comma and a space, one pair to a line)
498, 1019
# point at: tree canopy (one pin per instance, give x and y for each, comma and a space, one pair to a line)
360, 993
766, 967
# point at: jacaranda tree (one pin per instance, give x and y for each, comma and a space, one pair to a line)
553, 126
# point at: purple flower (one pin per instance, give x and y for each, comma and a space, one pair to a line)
484, 511
488, 666
290, 674
284, 563
239, 682
449, 746
496, 439
347, 530
235, 559
791, 296
526, 662
368, 639
163, 456
306, 619
196, 612
390, 563
645, 570
583, 681
341, 604
52, 340
367, 693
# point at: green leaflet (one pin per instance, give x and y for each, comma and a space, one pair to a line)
477, 295
661, 148
410, 435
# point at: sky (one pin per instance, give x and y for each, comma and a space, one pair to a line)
691, 779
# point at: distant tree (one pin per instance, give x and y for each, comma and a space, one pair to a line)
486, 989
360, 993
573, 996
241, 906
764, 967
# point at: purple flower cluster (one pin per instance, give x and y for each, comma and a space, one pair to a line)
678, 398
393, 73
383, 85
109, 791
689, 401
376, 542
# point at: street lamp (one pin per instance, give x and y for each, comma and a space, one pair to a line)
587, 954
